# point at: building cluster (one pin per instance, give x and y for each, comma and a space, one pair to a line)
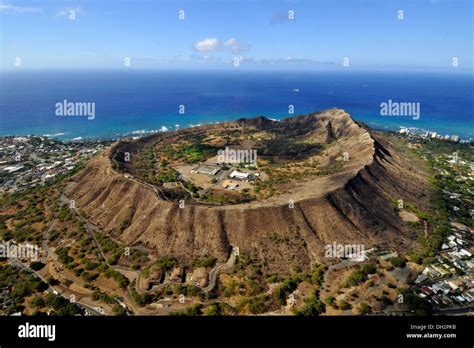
178, 275
228, 178
29, 161
414, 132
449, 281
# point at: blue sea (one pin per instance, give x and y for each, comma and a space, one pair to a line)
131, 102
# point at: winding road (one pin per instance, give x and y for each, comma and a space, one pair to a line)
214, 273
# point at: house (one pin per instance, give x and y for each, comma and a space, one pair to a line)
198, 277
176, 275
454, 284
427, 290
443, 287
421, 278
206, 169
240, 176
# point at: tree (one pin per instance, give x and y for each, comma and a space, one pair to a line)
52, 281
343, 305
37, 301
313, 306
364, 308
36, 265
212, 310
330, 300
398, 262
119, 310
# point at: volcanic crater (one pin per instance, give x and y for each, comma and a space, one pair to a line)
322, 178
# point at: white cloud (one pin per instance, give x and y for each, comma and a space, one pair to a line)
69, 11
236, 46
206, 45
7, 8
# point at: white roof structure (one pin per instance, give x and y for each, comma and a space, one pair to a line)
239, 175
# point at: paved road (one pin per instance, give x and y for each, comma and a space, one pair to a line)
50, 289
87, 225
214, 273
44, 243
455, 310
155, 189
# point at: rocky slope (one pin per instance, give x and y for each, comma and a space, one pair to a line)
350, 207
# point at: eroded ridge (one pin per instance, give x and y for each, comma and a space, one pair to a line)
320, 178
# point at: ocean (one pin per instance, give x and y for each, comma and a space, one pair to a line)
133, 102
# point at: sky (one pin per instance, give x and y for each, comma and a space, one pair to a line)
227, 34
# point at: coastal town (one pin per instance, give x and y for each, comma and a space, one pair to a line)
449, 280
30, 161
427, 134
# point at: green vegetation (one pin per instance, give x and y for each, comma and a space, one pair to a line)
255, 304
140, 299
166, 263
218, 308
289, 284
119, 310
121, 280
98, 295
398, 262
359, 275
418, 305
330, 300
449, 179
312, 305
195, 150
20, 285
194, 310
204, 262
37, 265
364, 308
145, 164
58, 305
343, 305
63, 255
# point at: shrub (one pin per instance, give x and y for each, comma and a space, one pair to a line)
398, 262
36, 265
343, 305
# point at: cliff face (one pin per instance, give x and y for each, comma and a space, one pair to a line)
351, 207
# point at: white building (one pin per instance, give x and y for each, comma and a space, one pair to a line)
239, 175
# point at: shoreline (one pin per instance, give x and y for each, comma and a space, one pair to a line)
62, 136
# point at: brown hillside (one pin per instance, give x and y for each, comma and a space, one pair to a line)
350, 206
